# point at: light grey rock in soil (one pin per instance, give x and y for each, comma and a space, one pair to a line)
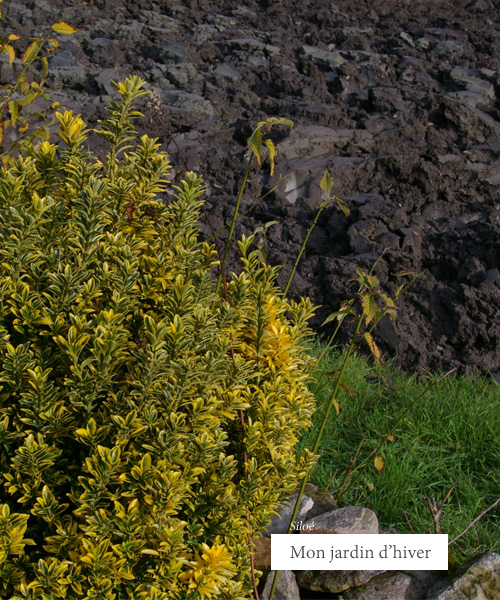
180, 75
329, 59
323, 501
334, 581
389, 585
347, 520
228, 72
133, 31
406, 37
286, 588
478, 580
105, 79
472, 82
254, 47
448, 49
188, 102
175, 53
280, 524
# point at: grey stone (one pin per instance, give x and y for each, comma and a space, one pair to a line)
254, 47
478, 580
175, 53
188, 102
104, 80
422, 44
371, 60
133, 31
347, 520
329, 59
406, 37
19, 12
286, 587
205, 32
69, 77
227, 71
151, 18
279, 524
469, 98
100, 42
63, 59
472, 83
334, 581
180, 75
389, 585
323, 501
448, 49
356, 31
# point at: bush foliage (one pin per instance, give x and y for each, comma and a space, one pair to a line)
147, 424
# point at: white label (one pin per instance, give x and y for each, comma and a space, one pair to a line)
330, 552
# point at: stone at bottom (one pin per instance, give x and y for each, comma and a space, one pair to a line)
286, 588
390, 585
333, 581
478, 580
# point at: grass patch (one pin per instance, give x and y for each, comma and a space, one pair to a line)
451, 436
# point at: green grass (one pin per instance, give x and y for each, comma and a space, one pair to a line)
451, 435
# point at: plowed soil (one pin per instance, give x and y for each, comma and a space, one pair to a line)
399, 100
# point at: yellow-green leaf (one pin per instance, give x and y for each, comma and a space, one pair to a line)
13, 37
66, 28
326, 182
45, 68
370, 309
14, 111
271, 149
374, 349
8, 49
31, 52
378, 463
255, 144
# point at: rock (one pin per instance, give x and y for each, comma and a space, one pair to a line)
423, 44
286, 588
133, 31
180, 75
188, 102
449, 49
279, 524
469, 79
105, 80
328, 59
406, 37
478, 580
323, 501
334, 581
175, 53
254, 47
421, 582
393, 586
351, 519
228, 72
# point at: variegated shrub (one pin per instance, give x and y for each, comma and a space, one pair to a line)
147, 424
